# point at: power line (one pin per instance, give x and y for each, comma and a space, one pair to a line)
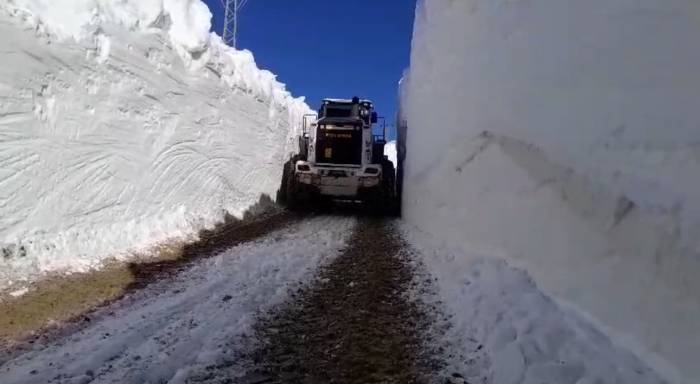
231, 9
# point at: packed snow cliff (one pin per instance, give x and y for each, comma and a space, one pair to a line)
564, 137
124, 125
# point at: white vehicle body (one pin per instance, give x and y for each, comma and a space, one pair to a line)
338, 181
352, 137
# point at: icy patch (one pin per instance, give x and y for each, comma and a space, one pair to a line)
19, 292
103, 46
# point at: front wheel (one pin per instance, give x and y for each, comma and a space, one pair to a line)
388, 186
288, 194
294, 200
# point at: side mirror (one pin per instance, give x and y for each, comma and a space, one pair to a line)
374, 118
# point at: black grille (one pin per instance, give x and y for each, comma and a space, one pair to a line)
336, 146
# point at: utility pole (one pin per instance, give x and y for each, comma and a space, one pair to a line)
231, 8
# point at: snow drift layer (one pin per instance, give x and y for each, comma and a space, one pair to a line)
565, 137
506, 331
124, 124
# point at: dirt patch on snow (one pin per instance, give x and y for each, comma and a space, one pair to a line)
355, 324
56, 299
233, 232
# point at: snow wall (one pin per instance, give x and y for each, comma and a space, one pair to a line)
124, 124
564, 136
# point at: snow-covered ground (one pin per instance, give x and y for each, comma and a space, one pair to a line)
174, 329
506, 331
563, 137
123, 125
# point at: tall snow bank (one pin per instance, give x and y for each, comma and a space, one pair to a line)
564, 136
505, 330
187, 22
114, 139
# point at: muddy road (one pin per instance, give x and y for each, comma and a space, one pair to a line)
323, 299
355, 324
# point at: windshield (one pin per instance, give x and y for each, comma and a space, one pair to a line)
339, 111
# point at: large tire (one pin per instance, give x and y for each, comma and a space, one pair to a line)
287, 195
294, 199
388, 188
381, 200
282, 191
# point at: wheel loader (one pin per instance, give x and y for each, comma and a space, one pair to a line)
341, 158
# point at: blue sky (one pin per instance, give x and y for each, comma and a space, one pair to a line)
329, 48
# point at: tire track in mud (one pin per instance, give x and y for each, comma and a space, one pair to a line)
355, 324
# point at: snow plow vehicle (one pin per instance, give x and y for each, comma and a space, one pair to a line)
341, 158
